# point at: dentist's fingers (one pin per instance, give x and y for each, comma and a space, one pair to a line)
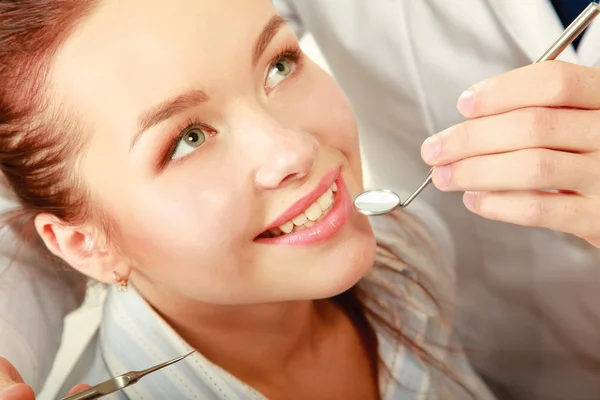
549, 84
562, 212
521, 170
11, 383
17, 391
534, 127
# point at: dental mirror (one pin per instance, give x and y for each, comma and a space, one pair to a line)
383, 201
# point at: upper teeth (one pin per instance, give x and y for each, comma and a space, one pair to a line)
310, 215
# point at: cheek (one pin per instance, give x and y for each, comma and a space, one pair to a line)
324, 111
334, 121
181, 224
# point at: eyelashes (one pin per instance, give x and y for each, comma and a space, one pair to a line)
290, 53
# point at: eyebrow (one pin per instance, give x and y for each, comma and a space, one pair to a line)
266, 36
167, 109
192, 98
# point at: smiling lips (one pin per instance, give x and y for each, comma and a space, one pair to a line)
315, 218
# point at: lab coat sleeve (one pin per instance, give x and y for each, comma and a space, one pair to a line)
287, 9
34, 299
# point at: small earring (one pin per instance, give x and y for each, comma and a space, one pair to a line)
122, 283
89, 244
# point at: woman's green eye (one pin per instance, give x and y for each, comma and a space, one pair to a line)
189, 142
278, 72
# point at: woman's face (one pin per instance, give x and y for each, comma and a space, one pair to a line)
210, 132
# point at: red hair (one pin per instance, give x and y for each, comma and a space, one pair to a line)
37, 140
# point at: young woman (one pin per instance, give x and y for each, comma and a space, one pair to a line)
190, 154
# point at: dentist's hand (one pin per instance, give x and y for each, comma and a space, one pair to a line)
11, 383
537, 127
13, 388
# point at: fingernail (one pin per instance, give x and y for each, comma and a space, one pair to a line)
431, 149
442, 175
466, 102
469, 200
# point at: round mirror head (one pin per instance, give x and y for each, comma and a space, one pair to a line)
376, 202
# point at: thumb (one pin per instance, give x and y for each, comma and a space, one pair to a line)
17, 391
11, 383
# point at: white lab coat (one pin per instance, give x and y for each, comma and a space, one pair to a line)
528, 297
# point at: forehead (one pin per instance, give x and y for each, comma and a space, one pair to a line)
131, 54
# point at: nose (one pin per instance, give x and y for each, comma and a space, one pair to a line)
288, 156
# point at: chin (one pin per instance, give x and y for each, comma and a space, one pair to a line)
347, 266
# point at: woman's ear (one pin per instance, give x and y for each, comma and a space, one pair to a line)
79, 248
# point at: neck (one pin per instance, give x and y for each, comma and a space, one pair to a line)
235, 337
